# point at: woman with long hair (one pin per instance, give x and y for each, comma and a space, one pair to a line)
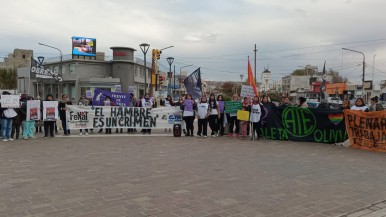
188, 107
214, 115
232, 120
221, 108
360, 105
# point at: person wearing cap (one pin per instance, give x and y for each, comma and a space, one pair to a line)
375, 106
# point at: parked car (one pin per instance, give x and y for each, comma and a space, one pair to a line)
334, 100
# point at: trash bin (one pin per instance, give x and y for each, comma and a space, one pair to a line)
177, 130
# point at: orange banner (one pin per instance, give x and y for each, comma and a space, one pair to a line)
366, 130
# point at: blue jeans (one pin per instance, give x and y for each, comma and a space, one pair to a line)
6, 127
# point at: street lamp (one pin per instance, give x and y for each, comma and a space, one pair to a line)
145, 47
61, 62
170, 61
363, 69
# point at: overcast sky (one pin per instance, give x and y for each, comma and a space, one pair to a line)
217, 36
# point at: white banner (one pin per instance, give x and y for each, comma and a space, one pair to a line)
247, 91
88, 117
33, 110
50, 110
10, 101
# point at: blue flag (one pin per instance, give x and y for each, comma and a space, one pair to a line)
193, 84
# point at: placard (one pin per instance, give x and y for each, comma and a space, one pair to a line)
232, 106
10, 101
247, 91
33, 110
50, 110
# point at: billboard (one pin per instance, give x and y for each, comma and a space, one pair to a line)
83, 46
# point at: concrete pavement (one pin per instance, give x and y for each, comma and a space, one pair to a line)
163, 176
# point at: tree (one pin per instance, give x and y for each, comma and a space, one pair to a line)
8, 79
227, 88
336, 78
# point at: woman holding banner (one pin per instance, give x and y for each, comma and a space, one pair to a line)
28, 126
146, 102
268, 109
6, 115
49, 124
256, 113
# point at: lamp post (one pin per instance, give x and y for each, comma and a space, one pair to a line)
145, 47
61, 61
170, 61
363, 69
241, 86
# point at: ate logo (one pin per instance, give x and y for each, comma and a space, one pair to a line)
298, 122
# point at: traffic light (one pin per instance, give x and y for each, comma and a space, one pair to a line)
160, 79
159, 54
156, 54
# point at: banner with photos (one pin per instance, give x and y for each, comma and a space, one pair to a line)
88, 117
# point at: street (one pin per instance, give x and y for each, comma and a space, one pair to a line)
163, 176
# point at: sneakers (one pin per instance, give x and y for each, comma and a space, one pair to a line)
205, 136
85, 133
33, 137
10, 139
5, 140
80, 134
25, 138
230, 135
198, 135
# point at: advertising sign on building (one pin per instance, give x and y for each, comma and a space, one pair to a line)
83, 46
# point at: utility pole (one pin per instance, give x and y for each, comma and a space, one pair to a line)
255, 50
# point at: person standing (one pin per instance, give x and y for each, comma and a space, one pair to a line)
233, 121
107, 102
255, 116
7, 115
146, 103
360, 105
246, 106
83, 101
188, 107
221, 109
375, 106
345, 104
48, 125
28, 126
202, 116
62, 113
214, 115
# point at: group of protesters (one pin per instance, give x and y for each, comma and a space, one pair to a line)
208, 111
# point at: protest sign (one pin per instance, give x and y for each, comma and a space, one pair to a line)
243, 115
366, 130
88, 94
33, 110
119, 99
161, 94
10, 101
232, 106
247, 91
118, 88
88, 117
50, 110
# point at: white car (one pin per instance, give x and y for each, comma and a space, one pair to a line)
334, 100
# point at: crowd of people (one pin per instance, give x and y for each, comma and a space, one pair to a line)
208, 111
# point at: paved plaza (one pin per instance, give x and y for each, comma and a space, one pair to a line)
164, 176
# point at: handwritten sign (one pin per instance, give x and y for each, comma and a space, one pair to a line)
247, 91
10, 101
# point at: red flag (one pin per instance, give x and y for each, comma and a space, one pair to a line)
251, 80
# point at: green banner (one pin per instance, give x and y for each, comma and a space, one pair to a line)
232, 106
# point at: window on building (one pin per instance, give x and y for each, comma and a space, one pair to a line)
135, 71
142, 73
72, 69
23, 56
56, 69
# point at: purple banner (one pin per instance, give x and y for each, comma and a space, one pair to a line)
119, 99
188, 105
